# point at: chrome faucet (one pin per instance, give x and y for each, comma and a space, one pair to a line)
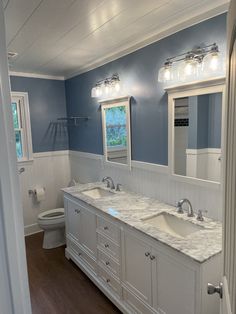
110, 182
180, 208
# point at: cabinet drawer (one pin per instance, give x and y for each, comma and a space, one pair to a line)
109, 247
108, 263
136, 306
110, 281
109, 229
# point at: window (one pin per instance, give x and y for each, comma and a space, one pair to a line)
21, 123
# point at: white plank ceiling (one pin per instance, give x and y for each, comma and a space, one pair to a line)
64, 37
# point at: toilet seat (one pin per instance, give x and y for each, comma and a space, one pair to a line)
52, 214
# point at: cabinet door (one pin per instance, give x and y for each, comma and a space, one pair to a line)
137, 266
72, 219
88, 230
173, 286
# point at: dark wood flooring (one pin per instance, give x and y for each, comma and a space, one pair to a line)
58, 286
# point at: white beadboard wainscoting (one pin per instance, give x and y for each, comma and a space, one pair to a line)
149, 179
50, 170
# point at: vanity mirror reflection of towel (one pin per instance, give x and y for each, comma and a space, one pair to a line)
198, 136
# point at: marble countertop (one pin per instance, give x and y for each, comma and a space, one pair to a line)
131, 208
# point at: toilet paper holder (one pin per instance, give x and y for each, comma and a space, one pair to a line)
33, 192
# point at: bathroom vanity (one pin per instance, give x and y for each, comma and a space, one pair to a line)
143, 255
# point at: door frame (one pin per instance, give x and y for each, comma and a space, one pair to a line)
14, 285
228, 304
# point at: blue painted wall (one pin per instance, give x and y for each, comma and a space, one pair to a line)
47, 102
138, 72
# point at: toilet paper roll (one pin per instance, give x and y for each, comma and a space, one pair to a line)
39, 194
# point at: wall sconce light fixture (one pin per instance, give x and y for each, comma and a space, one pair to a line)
200, 62
107, 87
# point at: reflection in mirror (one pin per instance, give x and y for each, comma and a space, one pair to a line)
116, 132
197, 136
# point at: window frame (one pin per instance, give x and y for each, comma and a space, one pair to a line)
22, 101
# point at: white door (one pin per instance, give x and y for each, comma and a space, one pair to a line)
137, 267
88, 231
73, 219
14, 290
228, 285
167, 273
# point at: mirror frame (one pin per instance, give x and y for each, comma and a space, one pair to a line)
210, 86
110, 103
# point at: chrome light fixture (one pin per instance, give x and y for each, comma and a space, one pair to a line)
191, 65
106, 87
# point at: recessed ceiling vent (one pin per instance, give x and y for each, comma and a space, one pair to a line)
11, 55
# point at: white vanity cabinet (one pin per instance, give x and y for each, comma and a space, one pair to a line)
136, 272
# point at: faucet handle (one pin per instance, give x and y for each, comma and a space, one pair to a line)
199, 214
179, 207
118, 187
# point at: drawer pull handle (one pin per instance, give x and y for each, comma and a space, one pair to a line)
152, 257
147, 254
106, 245
105, 228
108, 280
107, 263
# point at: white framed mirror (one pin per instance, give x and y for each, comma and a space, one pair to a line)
195, 125
116, 131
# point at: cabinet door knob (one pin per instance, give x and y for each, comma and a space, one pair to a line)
147, 254
80, 254
105, 228
108, 280
107, 263
106, 245
77, 211
152, 257
211, 289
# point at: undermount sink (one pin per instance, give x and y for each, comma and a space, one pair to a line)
97, 193
173, 225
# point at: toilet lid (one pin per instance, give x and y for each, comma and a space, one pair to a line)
52, 214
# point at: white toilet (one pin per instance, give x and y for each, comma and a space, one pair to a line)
53, 223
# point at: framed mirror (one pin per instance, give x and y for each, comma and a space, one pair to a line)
196, 133
116, 131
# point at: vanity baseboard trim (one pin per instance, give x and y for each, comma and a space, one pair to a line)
98, 282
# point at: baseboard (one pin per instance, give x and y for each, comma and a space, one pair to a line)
32, 229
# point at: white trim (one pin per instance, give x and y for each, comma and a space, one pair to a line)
149, 166
203, 151
32, 229
79, 154
214, 81
134, 163
37, 75
51, 154
114, 100
26, 126
203, 89
172, 29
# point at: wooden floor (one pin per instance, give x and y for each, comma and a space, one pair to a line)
57, 286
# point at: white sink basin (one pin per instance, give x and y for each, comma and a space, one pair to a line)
97, 193
172, 225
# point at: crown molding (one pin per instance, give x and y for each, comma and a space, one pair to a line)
150, 39
37, 75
